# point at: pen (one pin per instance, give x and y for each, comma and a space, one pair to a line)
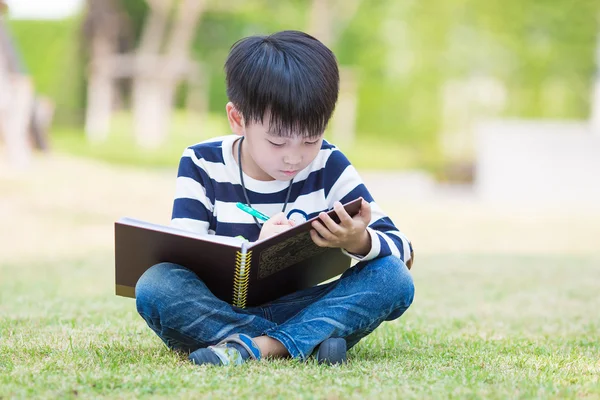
252, 211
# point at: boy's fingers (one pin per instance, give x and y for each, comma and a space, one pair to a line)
278, 219
319, 241
365, 212
329, 223
323, 231
345, 218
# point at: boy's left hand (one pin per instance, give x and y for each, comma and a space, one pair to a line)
350, 234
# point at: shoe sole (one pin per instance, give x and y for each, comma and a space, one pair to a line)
332, 352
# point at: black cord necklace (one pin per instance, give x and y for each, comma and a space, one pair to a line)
287, 197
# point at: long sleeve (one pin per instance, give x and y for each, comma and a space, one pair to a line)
345, 185
194, 197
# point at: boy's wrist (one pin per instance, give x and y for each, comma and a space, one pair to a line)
362, 246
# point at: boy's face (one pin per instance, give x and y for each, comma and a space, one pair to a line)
279, 157
267, 155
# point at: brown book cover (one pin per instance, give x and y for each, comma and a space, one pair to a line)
241, 273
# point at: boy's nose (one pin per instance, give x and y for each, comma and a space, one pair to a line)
292, 159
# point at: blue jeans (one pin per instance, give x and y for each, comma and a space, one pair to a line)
183, 312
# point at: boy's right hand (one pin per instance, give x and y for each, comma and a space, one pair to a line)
276, 224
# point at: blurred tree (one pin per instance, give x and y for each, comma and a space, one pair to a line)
16, 98
158, 64
24, 118
104, 25
327, 21
157, 75
403, 55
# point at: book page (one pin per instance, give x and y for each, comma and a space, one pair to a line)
293, 246
287, 252
226, 240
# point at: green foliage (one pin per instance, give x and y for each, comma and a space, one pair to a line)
136, 11
401, 52
51, 54
543, 51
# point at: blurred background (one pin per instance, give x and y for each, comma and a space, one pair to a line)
475, 124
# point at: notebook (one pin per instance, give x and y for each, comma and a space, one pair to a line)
242, 273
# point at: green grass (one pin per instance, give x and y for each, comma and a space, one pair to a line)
481, 326
187, 129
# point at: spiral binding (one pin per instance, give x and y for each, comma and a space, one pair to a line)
241, 278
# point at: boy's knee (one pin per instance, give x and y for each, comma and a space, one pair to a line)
153, 284
397, 283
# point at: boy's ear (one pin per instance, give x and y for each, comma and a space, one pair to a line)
236, 121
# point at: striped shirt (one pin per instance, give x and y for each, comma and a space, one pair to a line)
208, 188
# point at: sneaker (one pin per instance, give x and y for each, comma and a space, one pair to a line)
332, 351
233, 350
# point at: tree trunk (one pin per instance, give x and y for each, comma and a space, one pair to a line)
327, 25
343, 124
150, 117
16, 103
100, 89
320, 23
151, 111
197, 95
157, 75
102, 27
16, 120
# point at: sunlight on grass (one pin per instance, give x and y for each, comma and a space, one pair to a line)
481, 326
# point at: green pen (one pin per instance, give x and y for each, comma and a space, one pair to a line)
252, 211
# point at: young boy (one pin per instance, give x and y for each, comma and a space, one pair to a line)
282, 90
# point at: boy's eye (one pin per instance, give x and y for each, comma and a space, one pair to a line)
315, 142
276, 144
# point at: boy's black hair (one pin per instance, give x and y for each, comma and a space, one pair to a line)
290, 75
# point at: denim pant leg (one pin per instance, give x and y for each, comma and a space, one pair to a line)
352, 307
286, 307
185, 314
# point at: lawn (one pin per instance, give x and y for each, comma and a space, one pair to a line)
490, 326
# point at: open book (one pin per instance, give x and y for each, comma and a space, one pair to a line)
241, 273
